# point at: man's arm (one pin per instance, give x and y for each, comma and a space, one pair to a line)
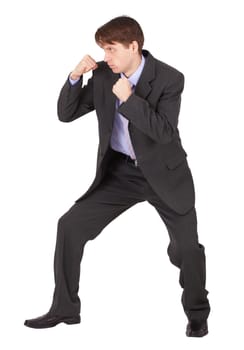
160, 124
75, 100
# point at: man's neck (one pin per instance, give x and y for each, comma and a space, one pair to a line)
134, 67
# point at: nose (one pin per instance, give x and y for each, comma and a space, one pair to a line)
106, 57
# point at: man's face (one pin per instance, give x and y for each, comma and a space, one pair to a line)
120, 58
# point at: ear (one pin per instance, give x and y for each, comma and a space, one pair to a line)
135, 46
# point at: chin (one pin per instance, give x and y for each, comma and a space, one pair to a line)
115, 70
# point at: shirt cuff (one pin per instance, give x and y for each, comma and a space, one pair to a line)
72, 81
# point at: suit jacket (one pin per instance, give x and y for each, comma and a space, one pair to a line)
152, 111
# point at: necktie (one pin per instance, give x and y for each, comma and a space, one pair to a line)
124, 126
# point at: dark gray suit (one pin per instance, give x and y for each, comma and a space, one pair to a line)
162, 177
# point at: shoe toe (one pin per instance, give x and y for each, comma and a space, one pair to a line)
197, 328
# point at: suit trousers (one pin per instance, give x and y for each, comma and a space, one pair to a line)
122, 187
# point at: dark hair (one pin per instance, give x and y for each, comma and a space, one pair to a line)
121, 29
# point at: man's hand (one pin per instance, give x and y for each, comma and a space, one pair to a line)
86, 64
122, 89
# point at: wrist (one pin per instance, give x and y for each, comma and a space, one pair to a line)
74, 76
127, 97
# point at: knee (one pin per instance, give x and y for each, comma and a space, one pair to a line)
179, 252
75, 227
174, 254
64, 222
68, 225
192, 251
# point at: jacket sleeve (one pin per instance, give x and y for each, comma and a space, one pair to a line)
75, 100
159, 123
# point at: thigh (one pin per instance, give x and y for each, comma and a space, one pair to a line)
115, 194
182, 229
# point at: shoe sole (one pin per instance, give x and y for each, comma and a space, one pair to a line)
67, 320
72, 321
197, 334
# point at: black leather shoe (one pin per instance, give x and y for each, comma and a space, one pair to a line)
49, 320
197, 328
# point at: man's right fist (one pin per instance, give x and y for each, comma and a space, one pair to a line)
86, 64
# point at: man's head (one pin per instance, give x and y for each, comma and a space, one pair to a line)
122, 40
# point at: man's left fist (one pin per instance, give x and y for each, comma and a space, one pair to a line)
122, 89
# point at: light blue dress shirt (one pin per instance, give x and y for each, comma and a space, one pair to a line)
120, 139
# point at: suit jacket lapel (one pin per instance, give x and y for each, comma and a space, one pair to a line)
110, 98
143, 87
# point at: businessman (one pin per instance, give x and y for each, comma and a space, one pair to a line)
140, 158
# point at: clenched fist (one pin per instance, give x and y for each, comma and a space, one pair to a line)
86, 64
122, 89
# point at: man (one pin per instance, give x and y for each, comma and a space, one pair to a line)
140, 157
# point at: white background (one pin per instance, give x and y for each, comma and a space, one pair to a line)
130, 296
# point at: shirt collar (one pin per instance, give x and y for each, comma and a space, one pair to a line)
133, 79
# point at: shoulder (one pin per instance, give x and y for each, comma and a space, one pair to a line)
101, 69
167, 68
163, 69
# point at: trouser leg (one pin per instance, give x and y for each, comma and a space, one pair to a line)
188, 255
83, 222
